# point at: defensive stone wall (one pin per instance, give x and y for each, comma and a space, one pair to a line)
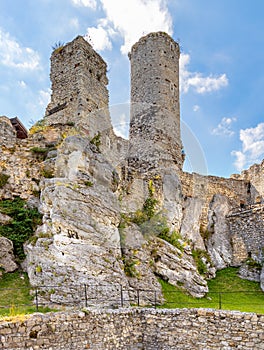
79, 86
246, 229
205, 187
7, 133
155, 139
255, 175
200, 329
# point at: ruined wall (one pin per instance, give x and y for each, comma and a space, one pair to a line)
205, 187
255, 175
155, 139
7, 133
136, 329
246, 228
79, 87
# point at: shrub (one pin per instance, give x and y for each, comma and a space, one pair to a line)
96, 141
201, 257
3, 179
174, 238
23, 224
129, 267
58, 46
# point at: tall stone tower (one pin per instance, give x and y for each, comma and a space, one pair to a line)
155, 140
79, 87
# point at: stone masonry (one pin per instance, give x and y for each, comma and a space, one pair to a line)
155, 139
134, 329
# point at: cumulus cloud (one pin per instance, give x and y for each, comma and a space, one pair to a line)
224, 128
99, 38
130, 19
86, 3
196, 108
252, 147
44, 97
201, 84
15, 56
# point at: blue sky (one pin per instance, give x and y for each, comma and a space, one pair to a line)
222, 72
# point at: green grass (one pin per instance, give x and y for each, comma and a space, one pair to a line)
15, 295
227, 291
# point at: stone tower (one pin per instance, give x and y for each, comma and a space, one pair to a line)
155, 140
79, 87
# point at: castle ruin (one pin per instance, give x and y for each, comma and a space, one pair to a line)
109, 203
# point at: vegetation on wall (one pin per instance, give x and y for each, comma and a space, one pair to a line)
3, 179
202, 259
23, 224
58, 46
96, 141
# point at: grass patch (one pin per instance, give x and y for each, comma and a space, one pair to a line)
15, 296
227, 291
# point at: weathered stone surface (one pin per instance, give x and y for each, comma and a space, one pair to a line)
177, 267
246, 230
172, 199
254, 176
250, 273
218, 244
190, 227
7, 133
134, 329
139, 266
79, 241
7, 259
4, 219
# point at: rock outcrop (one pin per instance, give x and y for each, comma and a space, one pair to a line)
7, 258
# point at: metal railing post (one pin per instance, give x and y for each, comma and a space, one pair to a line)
36, 298
121, 295
137, 297
220, 301
85, 294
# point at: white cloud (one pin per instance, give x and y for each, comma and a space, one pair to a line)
131, 19
86, 3
44, 97
122, 128
196, 108
22, 84
98, 38
15, 56
252, 147
224, 127
197, 81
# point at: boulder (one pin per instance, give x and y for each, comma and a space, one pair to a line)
7, 258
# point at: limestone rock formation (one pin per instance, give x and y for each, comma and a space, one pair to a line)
218, 243
79, 241
190, 227
7, 258
177, 267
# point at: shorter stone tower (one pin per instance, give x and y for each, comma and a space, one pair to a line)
79, 87
155, 108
